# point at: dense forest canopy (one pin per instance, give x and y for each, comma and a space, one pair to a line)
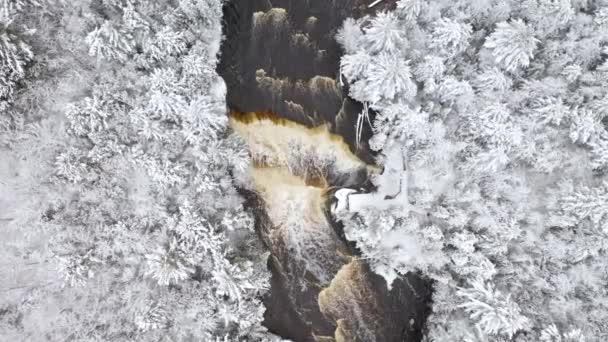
499, 110
118, 207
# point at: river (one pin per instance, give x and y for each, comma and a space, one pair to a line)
280, 63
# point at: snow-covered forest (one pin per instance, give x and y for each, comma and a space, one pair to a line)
498, 113
122, 213
119, 215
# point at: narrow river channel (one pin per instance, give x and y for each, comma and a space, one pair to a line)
280, 62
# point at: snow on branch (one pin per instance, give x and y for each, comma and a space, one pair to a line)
392, 189
374, 3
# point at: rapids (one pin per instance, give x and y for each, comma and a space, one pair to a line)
280, 63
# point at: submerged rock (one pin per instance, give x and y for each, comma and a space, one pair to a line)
363, 308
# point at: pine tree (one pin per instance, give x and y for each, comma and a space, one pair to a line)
350, 35
409, 9
495, 313
513, 44
588, 204
109, 41
384, 34
450, 37
15, 54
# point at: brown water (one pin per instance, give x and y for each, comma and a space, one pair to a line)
281, 56
321, 290
280, 63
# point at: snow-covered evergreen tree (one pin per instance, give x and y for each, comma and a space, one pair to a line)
15, 53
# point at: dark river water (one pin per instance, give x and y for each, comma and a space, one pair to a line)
280, 57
